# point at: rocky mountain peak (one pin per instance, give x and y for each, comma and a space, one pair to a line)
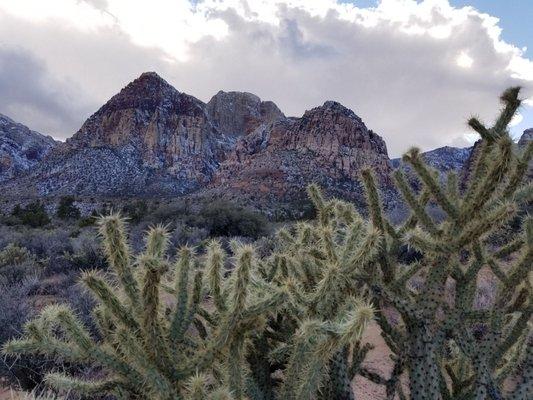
333, 128
238, 113
147, 134
148, 83
20, 148
526, 137
328, 145
146, 114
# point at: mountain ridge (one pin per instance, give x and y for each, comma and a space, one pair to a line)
20, 148
150, 139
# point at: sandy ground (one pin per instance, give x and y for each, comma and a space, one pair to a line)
377, 360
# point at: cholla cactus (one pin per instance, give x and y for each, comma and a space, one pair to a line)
217, 337
159, 338
315, 340
486, 342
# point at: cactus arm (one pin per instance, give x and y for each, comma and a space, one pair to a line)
215, 262
87, 388
416, 206
112, 229
413, 158
236, 377
511, 103
375, 210
106, 295
519, 172
182, 289
155, 343
412, 221
157, 241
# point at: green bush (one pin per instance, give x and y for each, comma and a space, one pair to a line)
34, 214
66, 209
89, 220
135, 211
226, 219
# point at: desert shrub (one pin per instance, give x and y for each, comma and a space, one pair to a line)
14, 255
89, 220
66, 209
45, 243
34, 214
226, 219
183, 234
168, 213
15, 273
135, 211
86, 252
23, 371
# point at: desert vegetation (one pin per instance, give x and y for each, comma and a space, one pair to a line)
173, 317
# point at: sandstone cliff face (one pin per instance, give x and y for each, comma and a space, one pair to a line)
20, 148
166, 129
151, 140
328, 145
237, 114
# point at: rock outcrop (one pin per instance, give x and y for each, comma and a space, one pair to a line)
20, 148
149, 139
526, 137
328, 145
444, 159
152, 140
237, 114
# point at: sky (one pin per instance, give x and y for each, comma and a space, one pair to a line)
414, 71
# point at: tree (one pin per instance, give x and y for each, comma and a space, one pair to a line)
67, 209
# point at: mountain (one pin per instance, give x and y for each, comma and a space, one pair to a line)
236, 114
526, 137
328, 145
20, 148
152, 140
444, 159
149, 139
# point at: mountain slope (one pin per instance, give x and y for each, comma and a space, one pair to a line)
444, 159
328, 145
152, 140
149, 139
20, 148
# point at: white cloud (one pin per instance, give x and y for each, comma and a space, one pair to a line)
414, 71
464, 60
76, 14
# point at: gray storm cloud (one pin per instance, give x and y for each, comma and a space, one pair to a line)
29, 92
406, 87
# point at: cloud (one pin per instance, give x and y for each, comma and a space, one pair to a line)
414, 71
30, 93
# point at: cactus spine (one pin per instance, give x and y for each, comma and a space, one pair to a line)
454, 252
